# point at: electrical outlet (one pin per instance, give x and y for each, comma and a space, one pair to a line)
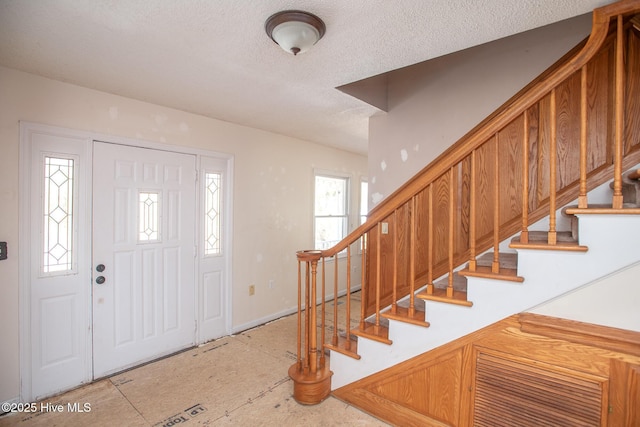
252, 290
385, 228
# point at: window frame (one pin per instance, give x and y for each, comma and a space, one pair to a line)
347, 220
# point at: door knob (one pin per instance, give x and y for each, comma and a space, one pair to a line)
100, 280
100, 268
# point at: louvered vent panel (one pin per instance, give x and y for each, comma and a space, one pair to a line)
511, 394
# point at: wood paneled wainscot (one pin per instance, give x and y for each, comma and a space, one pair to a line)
527, 370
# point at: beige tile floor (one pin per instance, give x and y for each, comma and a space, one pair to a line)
238, 380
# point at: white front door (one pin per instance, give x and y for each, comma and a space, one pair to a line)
159, 229
143, 255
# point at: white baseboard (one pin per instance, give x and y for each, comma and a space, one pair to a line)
275, 316
8, 402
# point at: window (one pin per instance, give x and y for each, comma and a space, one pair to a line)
58, 215
331, 210
148, 217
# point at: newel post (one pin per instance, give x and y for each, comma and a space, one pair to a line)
311, 376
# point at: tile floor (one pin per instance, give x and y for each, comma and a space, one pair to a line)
239, 380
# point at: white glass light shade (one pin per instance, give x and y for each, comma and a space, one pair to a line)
295, 36
295, 31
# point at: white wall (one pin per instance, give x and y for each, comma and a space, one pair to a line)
433, 104
273, 186
611, 301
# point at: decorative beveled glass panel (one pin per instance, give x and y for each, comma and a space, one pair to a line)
212, 214
58, 215
149, 217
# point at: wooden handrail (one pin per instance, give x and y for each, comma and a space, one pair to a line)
461, 194
505, 114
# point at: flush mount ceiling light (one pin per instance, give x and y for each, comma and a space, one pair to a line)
295, 31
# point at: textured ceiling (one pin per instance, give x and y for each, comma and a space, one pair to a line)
212, 57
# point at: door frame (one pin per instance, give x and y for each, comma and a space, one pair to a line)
25, 233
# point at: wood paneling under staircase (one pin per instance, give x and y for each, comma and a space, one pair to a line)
575, 127
566, 373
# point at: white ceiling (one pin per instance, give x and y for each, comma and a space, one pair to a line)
213, 57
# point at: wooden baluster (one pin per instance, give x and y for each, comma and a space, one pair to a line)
619, 114
363, 287
299, 343
394, 303
322, 316
582, 195
524, 233
335, 301
306, 315
495, 265
412, 257
552, 235
472, 214
313, 327
378, 268
348, 308
430, 286
451, 231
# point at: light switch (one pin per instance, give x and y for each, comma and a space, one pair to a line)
385, 228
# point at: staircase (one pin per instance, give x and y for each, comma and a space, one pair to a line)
463, 243
529, 275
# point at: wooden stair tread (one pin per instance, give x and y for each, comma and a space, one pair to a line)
632, 209
634, 175
417, 303
459, 282
440, 295
371, 331
402, 314
347, 347
508, 267
507, 260
573, 209
539, 240
509, 274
